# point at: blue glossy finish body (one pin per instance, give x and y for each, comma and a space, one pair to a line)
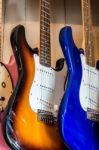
77, 131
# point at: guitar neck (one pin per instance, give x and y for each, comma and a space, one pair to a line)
88, 32
45, 50
1, 28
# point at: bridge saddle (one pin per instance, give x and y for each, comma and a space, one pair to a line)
46, 117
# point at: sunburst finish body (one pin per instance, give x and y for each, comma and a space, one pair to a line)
22, 127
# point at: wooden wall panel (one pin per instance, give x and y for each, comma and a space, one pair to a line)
64, 12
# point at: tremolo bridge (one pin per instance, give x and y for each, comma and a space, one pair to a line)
46, 117
93, 114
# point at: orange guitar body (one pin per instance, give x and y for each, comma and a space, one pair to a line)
29, 133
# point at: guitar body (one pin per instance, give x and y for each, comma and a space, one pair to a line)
77, 131
24, 130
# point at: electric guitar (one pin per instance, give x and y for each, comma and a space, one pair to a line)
79, 110
30, 121
8, 72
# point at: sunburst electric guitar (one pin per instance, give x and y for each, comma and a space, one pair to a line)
79, 110
30, 121
8, 72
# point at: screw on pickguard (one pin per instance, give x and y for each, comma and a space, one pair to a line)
92, 114
46, 117
3, 84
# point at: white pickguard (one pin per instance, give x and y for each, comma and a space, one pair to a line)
6, 87
89, 89
47, 88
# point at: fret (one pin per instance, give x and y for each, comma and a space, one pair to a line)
45, 61
45, 15
47, 2
45, 6
44, 50
45, 20
45, 23
85, 3
43, 42
45, 45
45, 9
45, 28
45, 56
45, 35
44, 31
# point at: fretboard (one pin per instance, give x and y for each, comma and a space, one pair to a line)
45, 49
88, 32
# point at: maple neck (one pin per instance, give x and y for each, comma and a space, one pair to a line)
1, 28
88, 32
45, 49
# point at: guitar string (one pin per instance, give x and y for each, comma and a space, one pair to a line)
40, 56
91, 73
87, 84
88, 38
87, 48
41, 52
46, 49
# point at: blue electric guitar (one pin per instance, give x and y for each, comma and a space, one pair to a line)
79, 110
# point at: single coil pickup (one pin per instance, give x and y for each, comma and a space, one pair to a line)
42, 87
90, 71
90, 86
44, 102
46, 117
46, 87
46, 72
